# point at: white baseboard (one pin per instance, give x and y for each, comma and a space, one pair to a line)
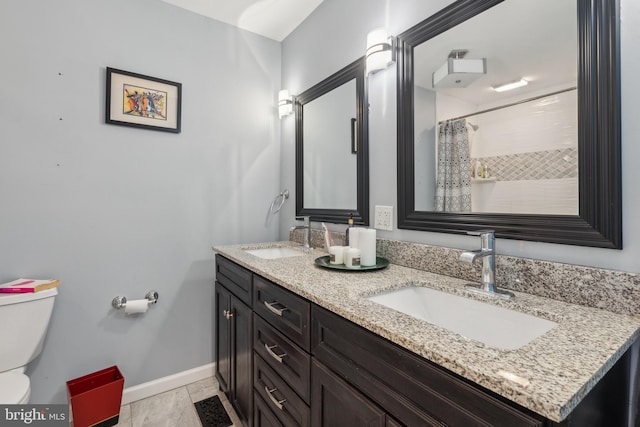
160, 385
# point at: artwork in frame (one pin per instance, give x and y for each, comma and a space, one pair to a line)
143, 101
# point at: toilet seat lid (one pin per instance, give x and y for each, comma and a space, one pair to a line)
13, 387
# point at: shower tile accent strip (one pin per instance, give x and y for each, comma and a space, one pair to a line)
615, 291
551, 164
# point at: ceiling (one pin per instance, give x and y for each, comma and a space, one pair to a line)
274, 19
536, 41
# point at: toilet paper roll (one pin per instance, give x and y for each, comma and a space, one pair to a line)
367, 245
136, 306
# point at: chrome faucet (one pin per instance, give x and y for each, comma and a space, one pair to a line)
307, 230
487, 252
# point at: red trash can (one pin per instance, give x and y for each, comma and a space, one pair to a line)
95, 398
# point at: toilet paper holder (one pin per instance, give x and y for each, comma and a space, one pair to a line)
121, 302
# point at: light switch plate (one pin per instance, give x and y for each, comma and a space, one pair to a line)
384, 218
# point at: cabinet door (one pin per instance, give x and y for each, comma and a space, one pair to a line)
242, 342
337, 404
223, 337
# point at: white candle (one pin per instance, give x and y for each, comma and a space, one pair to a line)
353, 258
367, 245
336, 254
354, 236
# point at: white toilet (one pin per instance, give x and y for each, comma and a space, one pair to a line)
24, 319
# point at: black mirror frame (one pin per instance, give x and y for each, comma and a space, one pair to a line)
361, 213
599, 222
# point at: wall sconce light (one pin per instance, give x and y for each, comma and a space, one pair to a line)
285, 103
510, 86
380, 50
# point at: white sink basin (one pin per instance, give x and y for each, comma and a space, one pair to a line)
275, 253
489, 324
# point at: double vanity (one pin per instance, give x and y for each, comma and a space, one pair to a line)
300, 345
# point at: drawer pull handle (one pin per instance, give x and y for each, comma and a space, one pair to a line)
278, 311
275, 401
278, 357
227, 314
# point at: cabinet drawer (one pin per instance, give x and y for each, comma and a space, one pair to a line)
235, 278
285, 310
283, 401
409, 387
286, 358
262, 415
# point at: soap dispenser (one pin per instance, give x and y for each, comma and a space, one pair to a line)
346, 233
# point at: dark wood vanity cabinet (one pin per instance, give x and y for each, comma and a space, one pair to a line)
284, 361
233, 338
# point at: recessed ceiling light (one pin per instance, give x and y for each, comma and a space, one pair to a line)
510, 86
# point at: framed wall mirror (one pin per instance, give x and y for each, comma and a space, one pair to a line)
332, 178
540, 162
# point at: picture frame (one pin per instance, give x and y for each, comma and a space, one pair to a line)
141, 101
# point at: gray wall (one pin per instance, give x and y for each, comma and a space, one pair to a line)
112, 210
313, 52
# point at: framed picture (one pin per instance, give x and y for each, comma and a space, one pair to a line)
143, 101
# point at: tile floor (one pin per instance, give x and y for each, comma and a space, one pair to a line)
174, 407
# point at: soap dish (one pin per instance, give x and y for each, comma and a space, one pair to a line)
323, 262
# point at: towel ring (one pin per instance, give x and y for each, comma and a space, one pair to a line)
284, 194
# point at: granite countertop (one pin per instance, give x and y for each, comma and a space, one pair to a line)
550, 375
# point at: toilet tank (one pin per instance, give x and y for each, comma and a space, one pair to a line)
24, 319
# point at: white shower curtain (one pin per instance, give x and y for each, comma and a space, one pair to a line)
453, 183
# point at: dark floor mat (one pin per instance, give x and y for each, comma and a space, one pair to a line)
212, 413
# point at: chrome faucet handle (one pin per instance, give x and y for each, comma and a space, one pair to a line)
307, 231
487, 252
487, 238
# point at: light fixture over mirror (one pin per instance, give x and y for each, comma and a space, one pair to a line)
285, 103
380, 50
578, 88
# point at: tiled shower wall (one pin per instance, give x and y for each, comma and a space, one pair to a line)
531, 150
542, 182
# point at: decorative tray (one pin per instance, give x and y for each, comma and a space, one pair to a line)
323, 262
